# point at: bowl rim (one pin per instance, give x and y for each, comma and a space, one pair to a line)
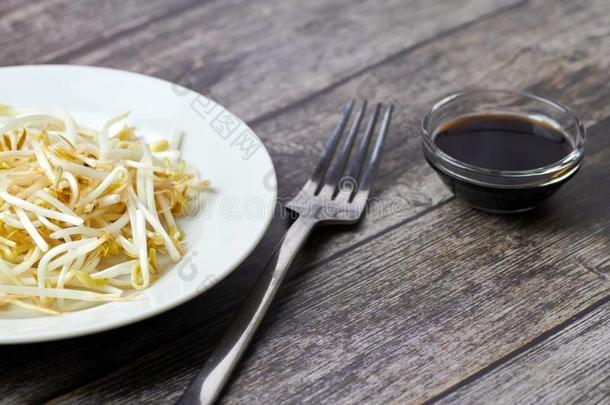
568, 162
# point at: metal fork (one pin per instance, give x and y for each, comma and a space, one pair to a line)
336, 193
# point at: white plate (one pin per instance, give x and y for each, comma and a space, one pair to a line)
233, 218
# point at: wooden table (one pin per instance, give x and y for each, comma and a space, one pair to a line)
426, 299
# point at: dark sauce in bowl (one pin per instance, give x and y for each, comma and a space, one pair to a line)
509, 145
502, 142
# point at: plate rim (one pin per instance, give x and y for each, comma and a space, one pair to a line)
49, 336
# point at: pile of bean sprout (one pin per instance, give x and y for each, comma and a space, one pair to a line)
84, 212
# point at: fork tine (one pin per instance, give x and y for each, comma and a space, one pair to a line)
355, 166
372, 164
333, 175
329, 150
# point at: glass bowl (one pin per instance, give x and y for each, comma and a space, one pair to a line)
502, 191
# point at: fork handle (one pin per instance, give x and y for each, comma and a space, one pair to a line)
208, 384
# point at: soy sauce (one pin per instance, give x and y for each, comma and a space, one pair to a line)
502, 142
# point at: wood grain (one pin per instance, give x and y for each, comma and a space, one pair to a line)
42, 31
404, 317
257, 57
572, 367
412, 312
568, 66
456, 49
84, 360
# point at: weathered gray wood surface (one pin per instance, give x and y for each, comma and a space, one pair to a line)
259, 57
425, 299
410, 314
568, 367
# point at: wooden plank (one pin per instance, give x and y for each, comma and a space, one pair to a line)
186, 355
41, 31
562, 63
566, 64
84, 359
424, 76
571, 367
9, 6
256, 57
404, 317
151, 51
